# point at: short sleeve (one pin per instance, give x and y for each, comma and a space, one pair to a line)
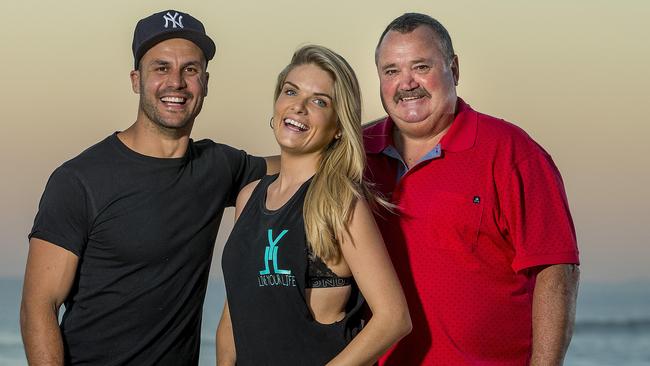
245, 169
537, 214
62, 217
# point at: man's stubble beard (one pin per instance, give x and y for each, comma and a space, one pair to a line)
150, 111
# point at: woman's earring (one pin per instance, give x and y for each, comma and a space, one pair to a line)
271, 123
338, 136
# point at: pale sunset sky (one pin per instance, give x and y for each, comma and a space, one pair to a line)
574, 74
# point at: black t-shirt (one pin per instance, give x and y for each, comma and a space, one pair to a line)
144, 230
265, 270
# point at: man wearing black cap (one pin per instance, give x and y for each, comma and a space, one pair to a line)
125, 231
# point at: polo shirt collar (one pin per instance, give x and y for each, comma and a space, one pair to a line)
460, 136
380, 138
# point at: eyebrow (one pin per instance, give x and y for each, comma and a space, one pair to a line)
319, 94
384, 67
420, 60
193, 63
159, 62
412, 62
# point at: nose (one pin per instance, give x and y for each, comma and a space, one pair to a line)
407, 81
176, 80
299, 106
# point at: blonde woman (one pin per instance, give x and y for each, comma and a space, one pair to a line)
305, 252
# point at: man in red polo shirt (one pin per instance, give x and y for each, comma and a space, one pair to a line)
482, 237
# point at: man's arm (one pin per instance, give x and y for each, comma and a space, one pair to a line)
49, 275
554, 310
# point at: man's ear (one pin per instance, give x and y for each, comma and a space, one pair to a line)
455, 69
135, 81
205, 87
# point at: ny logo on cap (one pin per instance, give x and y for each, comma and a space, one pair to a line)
176, 23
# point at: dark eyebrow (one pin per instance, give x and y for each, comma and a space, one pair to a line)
318, 94
159, 62
193, 63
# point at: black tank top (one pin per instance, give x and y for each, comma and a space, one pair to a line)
265, 267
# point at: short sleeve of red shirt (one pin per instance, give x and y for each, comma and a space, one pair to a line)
536, 213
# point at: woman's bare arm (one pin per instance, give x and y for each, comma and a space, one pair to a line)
226, 352
364, 251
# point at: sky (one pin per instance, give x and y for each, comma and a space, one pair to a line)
573, 74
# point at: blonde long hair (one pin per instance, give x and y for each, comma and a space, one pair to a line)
338, 182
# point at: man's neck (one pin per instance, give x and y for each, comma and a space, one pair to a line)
412, 147
150, 140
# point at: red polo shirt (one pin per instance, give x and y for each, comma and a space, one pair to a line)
471, 220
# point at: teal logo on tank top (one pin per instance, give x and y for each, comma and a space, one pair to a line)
272, 275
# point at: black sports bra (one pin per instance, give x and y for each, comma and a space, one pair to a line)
320, 276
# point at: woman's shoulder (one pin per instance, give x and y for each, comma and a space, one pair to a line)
244, 195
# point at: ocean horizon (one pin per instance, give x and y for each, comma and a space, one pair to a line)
612, 324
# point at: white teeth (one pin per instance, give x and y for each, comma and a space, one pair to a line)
292, 122
410, 98
173, 99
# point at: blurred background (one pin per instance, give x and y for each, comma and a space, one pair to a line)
574, 74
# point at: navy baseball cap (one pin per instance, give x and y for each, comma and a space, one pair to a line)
170, 24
